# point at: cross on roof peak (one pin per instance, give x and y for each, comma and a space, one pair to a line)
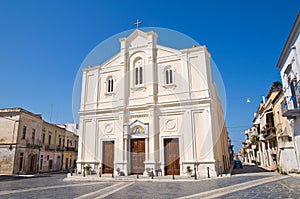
137, 23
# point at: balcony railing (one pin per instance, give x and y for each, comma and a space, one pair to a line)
291, 104
269, 133
60, 148
70, 149
50, 147
33, 143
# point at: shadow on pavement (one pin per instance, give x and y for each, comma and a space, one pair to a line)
248, 169
6, 178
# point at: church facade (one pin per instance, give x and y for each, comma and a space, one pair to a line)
152, 108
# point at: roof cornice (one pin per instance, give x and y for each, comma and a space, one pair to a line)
288, 44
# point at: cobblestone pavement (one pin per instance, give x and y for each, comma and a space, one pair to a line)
249, 182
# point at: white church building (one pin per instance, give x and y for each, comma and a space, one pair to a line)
152, 107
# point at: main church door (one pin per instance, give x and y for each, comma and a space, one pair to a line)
171, 149
108, 157
137, 156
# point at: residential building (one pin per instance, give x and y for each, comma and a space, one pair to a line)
151, 107
30, 145
60, 148
71, 150
268, 139
289, 65
286, 156
269, 142
20, 141
51, 158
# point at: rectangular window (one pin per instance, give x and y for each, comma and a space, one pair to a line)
33, 134
43, 138
21, 162
136, 76
50, 164
167, 76
41, 162
24, 132
171, 77
59, 142
141, 75
49, 139
111, 85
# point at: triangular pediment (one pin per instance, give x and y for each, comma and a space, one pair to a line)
114, 61
135, 34
138, 129
138, 38
138, 122
166, 51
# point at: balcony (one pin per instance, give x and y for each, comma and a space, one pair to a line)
269, 133
290, 106
33, 143
60, 148
50, 147
71, 149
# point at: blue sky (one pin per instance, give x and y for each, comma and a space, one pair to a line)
43, 43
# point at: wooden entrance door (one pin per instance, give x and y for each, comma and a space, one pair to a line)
171, 147
31, 165
108, 157
137, 156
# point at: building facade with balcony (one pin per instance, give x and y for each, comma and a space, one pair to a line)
71, 150
60, 148
286, 157
51, 158
289, 65
269, 142
20, 141
29, 145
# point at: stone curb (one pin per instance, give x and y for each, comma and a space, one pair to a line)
294, 175
141, 179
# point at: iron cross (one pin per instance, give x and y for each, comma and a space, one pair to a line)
137, 23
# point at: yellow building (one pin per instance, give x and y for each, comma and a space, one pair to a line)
20, 141
29, 145
59, 151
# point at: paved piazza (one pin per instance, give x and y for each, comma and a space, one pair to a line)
249, 182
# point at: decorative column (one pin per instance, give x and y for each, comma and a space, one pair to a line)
126, 151
150, 141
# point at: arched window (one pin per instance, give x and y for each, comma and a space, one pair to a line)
138, 65
169, 75
110, 84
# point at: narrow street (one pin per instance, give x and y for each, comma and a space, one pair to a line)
249, 182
